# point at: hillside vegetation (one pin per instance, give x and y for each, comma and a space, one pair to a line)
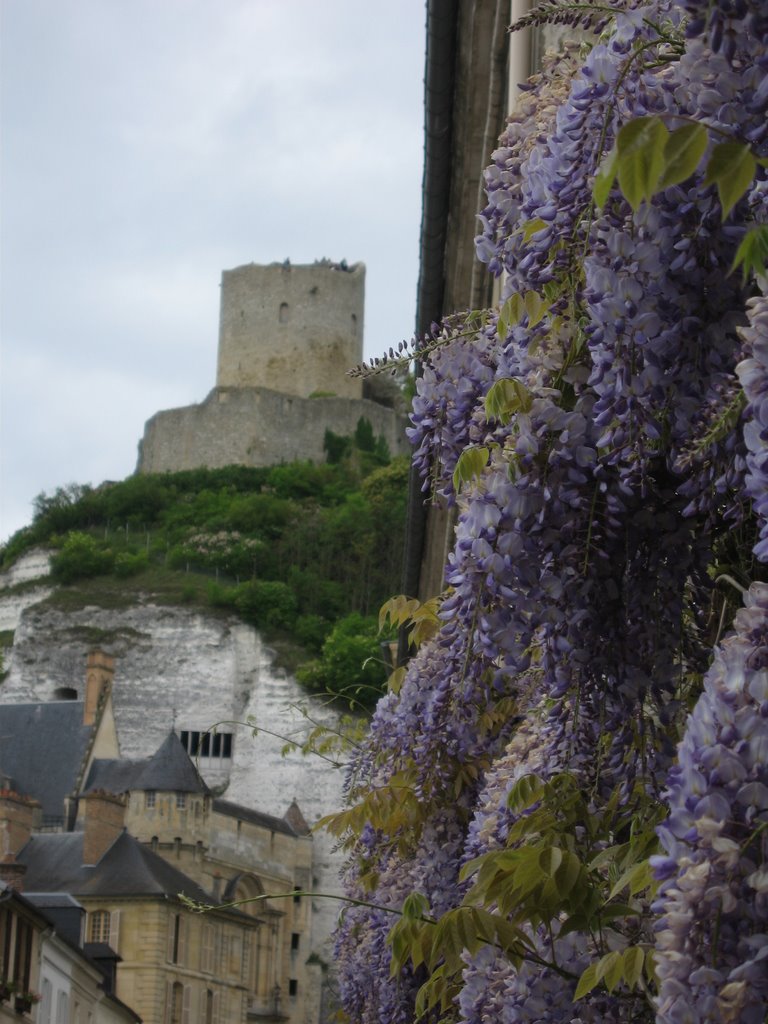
307, 553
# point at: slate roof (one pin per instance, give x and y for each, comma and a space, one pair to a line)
255, 817
296, 820
41, 748
168, 770
113, 775
54, 862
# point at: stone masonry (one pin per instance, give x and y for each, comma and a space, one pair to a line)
294, 329
287, 336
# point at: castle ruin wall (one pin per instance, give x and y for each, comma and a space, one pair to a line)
258, 427
292, 328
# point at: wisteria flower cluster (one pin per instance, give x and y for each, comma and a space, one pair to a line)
603, 436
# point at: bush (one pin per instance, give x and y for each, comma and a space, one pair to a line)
312, 630
81, 556
266, 603
351, 665
219, 596
129, 565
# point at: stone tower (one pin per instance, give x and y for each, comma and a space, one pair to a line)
293, 329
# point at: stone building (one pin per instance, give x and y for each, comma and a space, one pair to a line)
287, 336
183, 670
130, 839
47, 973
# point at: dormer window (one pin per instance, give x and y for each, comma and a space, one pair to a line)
207, 747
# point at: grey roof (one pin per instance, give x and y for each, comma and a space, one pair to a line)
113, 775
168, 770
255, 817
54, 862
42, 748
171, 769
296, 820
52, 900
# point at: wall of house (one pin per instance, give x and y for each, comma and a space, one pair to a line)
225, 954
295, 329
256, 426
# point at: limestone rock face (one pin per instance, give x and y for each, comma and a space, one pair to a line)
189, 670
31, 571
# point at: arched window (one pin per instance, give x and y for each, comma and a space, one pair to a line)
100, 926
354, 326
283, 315
175, 1003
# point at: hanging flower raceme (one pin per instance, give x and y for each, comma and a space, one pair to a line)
753, 375
576, 618
712, 939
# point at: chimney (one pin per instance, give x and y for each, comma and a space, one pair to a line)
104, 821
99, 672
17, 817
12, 873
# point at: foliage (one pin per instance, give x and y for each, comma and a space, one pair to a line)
81, 556
266, 603
560, 811
351, 664
292, 547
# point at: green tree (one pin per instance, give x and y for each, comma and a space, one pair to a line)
81, 556
351, 664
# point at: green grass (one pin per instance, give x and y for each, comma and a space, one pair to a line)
156, 584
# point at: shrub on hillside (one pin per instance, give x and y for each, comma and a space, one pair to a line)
80, 557
266, 603
351, 663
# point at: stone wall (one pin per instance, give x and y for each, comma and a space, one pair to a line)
175, 668
257, 427
296, 329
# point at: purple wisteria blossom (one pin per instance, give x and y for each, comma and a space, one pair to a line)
753, 375
578, 615
712, 937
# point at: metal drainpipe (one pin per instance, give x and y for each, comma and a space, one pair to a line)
439, 76
513, 60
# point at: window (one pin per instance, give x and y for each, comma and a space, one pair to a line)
216, 745
295, 941
100, 926
283, 314
46, 999
175, 1003
62, 1008
206, 1008
293, 987
181, 800
5, 941
16, 949
177, 939
23, 955
206, 949
297, 898
149, 798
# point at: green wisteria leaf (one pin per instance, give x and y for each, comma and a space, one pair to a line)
682, 154
732, 168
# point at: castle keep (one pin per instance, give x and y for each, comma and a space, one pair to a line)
287, 336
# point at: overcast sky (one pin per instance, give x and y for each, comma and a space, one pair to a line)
148, 144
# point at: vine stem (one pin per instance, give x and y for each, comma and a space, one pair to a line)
204, 908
